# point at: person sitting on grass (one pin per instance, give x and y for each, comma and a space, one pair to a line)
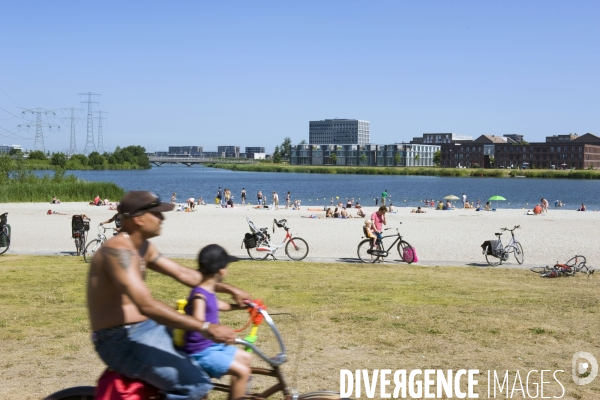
215, 358
368, 231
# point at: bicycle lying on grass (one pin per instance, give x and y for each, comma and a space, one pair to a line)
258, 314
496, 253
95, 244
370, 254
4, 233
259, 246
575, 265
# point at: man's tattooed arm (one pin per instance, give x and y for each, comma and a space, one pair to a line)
155, 259
123, 256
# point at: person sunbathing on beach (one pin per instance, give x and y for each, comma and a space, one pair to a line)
418, 211
391, 208
336, 213
582, 208
537, 209
488, 206
360, 213
329, 213
344, 213
55, 200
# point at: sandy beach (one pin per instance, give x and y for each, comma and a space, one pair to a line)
440, 237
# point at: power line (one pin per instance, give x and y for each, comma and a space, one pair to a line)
100, 138
72, 144
89, 141
39, 126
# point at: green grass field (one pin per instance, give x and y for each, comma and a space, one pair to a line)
332, 317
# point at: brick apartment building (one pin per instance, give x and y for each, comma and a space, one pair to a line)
510, 151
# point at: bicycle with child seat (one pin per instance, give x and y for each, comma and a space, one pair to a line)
4, 233
370, 254
95, 244
259, 246
496, 252
258, 315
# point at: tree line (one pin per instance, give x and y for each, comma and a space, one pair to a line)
130, 157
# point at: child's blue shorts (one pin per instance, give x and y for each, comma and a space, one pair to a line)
216, 360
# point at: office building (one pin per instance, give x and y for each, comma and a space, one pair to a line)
185, 150
6, 148
338, 131
229, 151
389, 155
251, 151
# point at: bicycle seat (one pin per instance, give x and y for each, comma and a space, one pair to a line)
498, 234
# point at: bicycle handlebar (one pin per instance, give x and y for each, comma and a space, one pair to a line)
279, 358
511, 230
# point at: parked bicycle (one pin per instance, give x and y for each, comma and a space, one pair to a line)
80, 224
4, 233
258, 314
576, 264
259, 246
370, 254
496, 253
95, 244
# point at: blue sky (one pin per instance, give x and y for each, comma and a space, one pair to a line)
250, 73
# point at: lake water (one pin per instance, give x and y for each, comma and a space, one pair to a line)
318, 189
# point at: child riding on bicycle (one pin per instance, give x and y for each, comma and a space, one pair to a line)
368, 231
215, 358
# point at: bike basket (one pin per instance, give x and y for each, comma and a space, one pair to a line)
250, 241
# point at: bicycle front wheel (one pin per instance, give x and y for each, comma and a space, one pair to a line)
91, 249
519, 253
540, 270
362, 251
296, 249
491, 259
258, 255
406, 251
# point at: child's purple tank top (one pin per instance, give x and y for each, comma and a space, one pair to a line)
194, 341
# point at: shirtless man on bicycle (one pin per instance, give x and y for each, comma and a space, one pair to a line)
130, 335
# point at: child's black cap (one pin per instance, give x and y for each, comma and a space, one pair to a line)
213, 258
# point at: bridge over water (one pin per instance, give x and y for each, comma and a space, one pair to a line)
189, 161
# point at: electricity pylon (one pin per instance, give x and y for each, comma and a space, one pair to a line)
100, 147
89, 141
39, 126
72, 144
